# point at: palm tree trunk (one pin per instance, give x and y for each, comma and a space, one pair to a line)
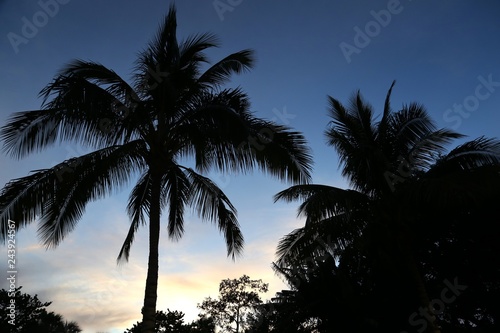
150, 294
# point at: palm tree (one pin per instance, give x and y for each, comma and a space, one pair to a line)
173, 110
400, 175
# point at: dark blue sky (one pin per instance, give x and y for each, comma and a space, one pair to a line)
443, 54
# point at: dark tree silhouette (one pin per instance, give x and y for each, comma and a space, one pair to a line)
405, 187
202, 325
173, 322
237, 300
172, 110
27, 314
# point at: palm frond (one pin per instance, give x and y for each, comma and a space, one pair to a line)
212, 204
301, 192
329, 237
191, 49
223, 134
384, 122
362, 113
92, 89
58, 196
138, 206
342, 122
175, 193
471, 155
98, 74
282, 153
423, 153
156, 63
288, 244
345, 147
321, 201
164, 46
411, 125
208, 119
29, 131
221, 72
354, 122
320, 206
80, 112
353, 135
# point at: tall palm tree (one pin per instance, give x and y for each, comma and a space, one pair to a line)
400, 175
173, 110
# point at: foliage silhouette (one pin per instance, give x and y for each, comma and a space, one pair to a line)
237, 300
173, 110
28, 314
173, 322
408, 194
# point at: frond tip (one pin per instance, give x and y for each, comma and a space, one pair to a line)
210, 202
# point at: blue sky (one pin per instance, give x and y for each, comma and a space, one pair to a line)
443, 54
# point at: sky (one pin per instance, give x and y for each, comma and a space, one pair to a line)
443, 54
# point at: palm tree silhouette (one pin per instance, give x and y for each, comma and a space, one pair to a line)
400, 175
173, 110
